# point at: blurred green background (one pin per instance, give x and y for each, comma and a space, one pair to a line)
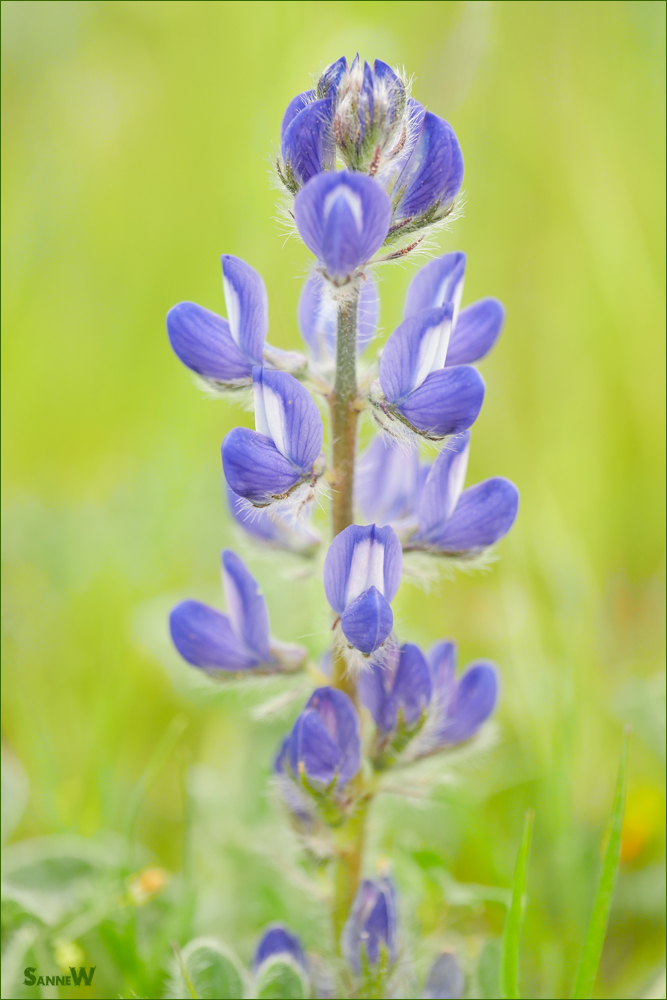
137, 142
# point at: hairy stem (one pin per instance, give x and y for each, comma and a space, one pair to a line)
344, 413
344, 416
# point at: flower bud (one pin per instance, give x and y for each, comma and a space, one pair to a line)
323, 751
445, 979
369, 113
431, 177
369, 936
277, 940
307, 143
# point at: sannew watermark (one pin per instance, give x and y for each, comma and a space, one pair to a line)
83, 977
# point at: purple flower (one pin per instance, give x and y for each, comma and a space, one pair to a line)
445, 979
343, 218
461, 704
318, 313
362, 571
223, 351
324, 746
397, 692
308, 145
432, 400
236, 641
270, 462
457, 521
277, 940
281, 531
427, 505
431, 176
476, 328
369, 936
388, 482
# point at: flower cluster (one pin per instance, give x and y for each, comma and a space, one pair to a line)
364, 118
365, 165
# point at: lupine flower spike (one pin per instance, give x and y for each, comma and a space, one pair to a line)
367, 172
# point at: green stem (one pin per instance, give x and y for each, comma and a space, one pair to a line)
347, 865
344, 413
344, 416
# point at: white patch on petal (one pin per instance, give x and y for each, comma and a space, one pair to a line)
366, 569
376, 567
432, 351
261, 421
233, 304
274, 409
352, 200
356, 581
447, 293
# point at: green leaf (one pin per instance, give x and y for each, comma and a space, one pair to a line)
597, 928
279, 978
57, 876
488, 971
205, 970
509, 963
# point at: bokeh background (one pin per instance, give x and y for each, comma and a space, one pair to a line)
137, 148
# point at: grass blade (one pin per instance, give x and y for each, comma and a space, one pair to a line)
597, 928
509, 964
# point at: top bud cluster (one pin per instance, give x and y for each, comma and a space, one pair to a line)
366, 118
